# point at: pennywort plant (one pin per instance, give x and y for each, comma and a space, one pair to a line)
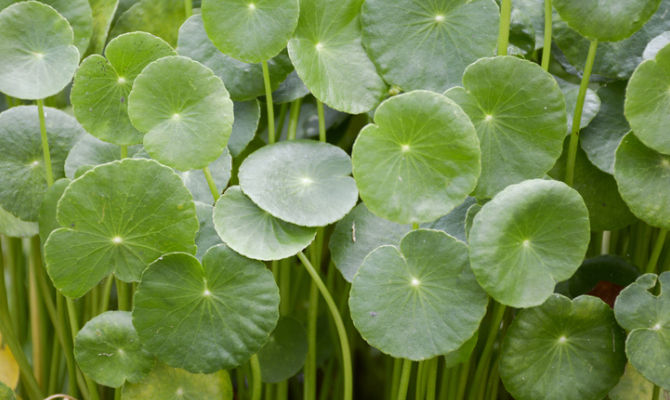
334, 199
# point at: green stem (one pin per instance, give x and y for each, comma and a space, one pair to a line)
463, 379
45, 143
310, 361
106, 291
656, 394
36, 328
188, 8
268, 101
339, 325
211, 184
322, 121
431, 379
74, 328
256, 389
420, 380
482, 365
122, 295
546, 50
404, 379
503, 33
577, 117
282, 118
293, 119
124, 151
656, 252
395, 377
69, 357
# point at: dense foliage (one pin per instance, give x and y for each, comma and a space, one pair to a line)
371, 199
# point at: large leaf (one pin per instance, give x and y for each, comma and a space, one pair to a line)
79, 15
519, 113
22, 166
647, 318
101, 86
250, 31
227, 307
184, 110
563, 350
647, 100
108, 350
419, 160
117, 218
167, 383
243, 81
302, 182
160, 18
427, 45
255, 233
284, 354
528, 237
329, 57
610, 23
37, 52
418, 300
643, 177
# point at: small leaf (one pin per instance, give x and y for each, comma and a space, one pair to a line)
563, 350
284, 354
254, 233
419, 160
108, 350
184, 111
206, 236
167, 383
528, 237
37, 54
303, 182
418, 300
227, 307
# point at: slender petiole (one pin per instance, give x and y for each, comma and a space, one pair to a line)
45, 143
268, 101
546, 50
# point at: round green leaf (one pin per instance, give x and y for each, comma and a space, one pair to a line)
185, 111
607, 211
22, 165
117, 218
655, 45
37, 54
607, 23
528, 237
108, 350
602, 137
89, 152
250, 31
357, 234
79, 15
255, 233
167, 383
563, 350
206, 236
419, 160
632, 386
519, 113
647, 317
243, 81
284, 354
647, 98
196, 182
247, 115
101, 86
418, 300
643, 177
227, 307
160, 18
329, 57
301, 181
419, 45
16, 227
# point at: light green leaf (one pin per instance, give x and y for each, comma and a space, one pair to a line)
631, 386
329, 57
643, 177
101, 86
255, 233
37, 54
284, 354
301, 181
22, 165
647, 318
563, 350
250, 31
528, 237
103, 13
519, 113
418, 160
160, 18
420, 45
167, 383
79, 14
227, 307
647, 97
243, 81
184, 111
206, 236
117, 218
108, 350
418, 300
247, 115
90, 151
610, 23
